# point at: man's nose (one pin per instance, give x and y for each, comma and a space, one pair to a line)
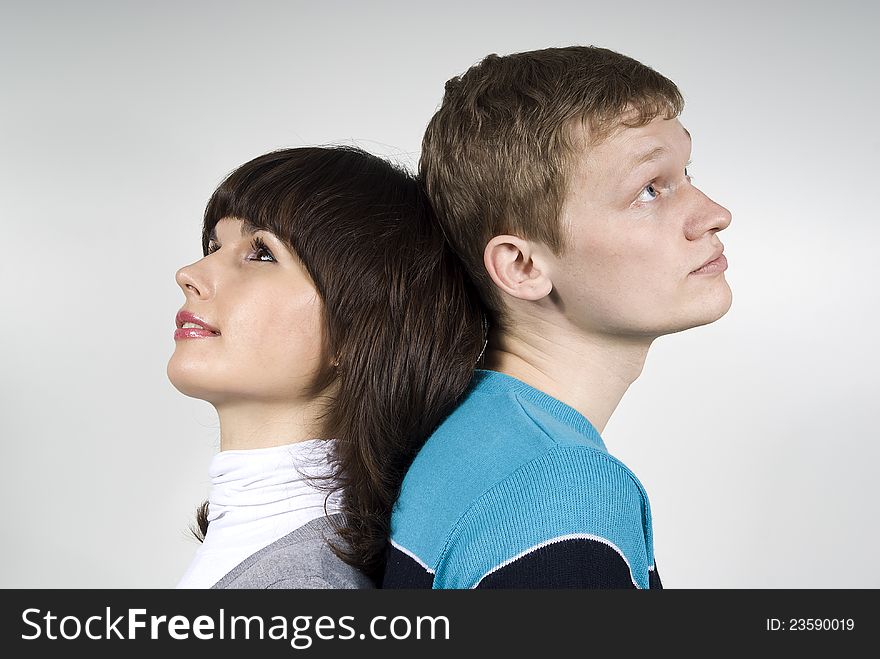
708, 216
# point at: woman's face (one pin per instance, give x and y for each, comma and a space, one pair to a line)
268, 314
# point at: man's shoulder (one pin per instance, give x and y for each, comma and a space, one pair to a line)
570, 504
511, 459
488, 437
562, 492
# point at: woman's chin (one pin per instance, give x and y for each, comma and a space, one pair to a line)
190, 382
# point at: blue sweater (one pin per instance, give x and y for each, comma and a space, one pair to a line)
515, 489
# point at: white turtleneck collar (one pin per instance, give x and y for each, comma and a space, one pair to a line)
257, 497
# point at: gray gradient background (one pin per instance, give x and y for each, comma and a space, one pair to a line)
753, 436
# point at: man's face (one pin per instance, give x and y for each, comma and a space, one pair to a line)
634, 234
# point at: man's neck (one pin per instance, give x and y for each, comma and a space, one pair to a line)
590, 373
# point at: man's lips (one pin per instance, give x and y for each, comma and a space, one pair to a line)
712, 267
717, 255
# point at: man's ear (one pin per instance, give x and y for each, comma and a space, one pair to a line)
517, 267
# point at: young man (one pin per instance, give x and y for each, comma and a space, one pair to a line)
560, 178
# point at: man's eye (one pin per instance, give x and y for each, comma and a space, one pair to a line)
652, 190
650, 186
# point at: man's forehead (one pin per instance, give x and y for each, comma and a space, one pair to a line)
628, 147
652, 147
629, 140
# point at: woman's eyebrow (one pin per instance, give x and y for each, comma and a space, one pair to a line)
248, 228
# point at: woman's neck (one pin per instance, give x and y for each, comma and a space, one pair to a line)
261, 424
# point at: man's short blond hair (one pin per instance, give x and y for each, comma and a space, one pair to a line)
497, 156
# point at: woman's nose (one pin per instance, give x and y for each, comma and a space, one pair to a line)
191, 281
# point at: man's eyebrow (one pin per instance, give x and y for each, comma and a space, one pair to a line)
647, 156
653, 154
248, 228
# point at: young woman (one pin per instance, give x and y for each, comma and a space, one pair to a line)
332, 329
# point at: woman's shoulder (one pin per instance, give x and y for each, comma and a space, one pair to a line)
300, 559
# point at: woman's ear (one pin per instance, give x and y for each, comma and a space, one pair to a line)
517, 267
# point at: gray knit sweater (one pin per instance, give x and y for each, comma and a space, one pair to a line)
300, 559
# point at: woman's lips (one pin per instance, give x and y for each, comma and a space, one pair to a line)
198, 329
713, 267
193, 333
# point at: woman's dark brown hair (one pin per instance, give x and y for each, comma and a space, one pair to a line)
402, 320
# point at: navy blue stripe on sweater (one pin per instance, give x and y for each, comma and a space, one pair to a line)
564, 563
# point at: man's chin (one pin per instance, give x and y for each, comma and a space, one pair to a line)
710, 315
714, 306
705, 316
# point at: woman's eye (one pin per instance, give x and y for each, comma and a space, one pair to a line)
259, 248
